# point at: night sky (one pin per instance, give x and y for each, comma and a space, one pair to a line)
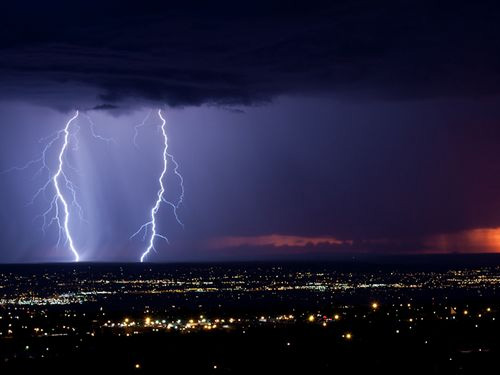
302, 129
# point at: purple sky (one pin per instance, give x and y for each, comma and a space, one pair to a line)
375, 177
300, 129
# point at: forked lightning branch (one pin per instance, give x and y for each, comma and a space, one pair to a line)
63, 200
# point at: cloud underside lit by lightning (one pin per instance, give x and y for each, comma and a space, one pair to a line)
151, 226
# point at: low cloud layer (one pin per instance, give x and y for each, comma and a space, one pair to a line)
274, 240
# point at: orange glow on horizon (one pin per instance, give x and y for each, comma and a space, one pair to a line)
481, 240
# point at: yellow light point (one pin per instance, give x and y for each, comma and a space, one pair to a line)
148, 321
348, 336
126, 320
191, 321
488, 309
374, 305
466, 312
137, 366
311, 318
336, 317
324, 324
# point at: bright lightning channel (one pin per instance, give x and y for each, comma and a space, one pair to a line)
150, 226
58, 211
160, 198
60, 196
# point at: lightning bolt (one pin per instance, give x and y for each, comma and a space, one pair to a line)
136, 128
180, 200
150, 226
94, 133
58, 210
60, 196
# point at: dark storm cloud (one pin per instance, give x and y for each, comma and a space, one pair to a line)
104, 107
231, 53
